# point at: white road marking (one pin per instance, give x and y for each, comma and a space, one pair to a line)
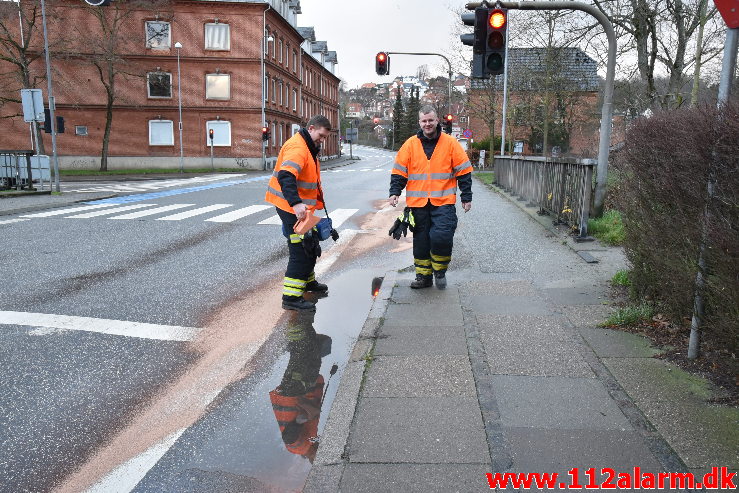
10, 221
194, 212
274, 220
125, 477
100, 325
238, 214
340, 215
327, 259
109, 211
59, 212
151, 212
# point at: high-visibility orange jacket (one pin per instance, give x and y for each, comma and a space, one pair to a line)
295, 157
432, 179
287, 409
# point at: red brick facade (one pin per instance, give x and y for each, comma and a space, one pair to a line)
298, 87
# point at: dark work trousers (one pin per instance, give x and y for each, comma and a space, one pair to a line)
433, 237
300, 265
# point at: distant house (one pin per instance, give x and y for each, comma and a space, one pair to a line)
354, 110
555, 89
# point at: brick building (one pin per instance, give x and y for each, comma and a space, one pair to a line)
570, 78
223, 47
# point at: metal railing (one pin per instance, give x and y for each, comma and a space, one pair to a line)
21, 168
560, 187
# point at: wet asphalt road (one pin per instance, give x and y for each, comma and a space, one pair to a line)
69, 398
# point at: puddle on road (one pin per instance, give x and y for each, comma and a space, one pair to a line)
259, 434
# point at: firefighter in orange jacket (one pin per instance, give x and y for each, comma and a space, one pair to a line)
294, 188
431, 165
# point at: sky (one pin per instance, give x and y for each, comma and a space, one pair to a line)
358, 30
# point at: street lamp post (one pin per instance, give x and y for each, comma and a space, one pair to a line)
265, 39
178, 45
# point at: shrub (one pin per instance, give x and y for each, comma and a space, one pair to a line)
663, 174
621, 278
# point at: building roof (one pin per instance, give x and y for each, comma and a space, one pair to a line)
319, 46
332, 57
573, 70
308, 33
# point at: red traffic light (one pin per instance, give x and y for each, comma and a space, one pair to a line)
382, 63
449, 117
210, 133
376, 120
265, 130
381, 57
497, 19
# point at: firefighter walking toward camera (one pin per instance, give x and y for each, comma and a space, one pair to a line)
293, 189
431, 165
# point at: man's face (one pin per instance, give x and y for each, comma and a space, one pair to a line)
318, 134
428, 123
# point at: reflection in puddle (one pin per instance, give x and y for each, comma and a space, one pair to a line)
262, 432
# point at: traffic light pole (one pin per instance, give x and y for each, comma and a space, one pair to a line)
449, 104
52, 101
607, 110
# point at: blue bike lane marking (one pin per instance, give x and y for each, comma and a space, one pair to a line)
127, 199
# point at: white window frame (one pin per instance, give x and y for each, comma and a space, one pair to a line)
162, 142
295, 99
280, 49
163, 44
273, 134
221, 133
219, 26
148, 85
274, 85
281, 94
218, 76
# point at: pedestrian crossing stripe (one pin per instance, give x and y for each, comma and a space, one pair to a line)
136, 211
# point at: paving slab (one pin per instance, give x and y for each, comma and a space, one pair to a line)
420, 376
579, 295
414, 478
556, 403
508, 305
418, 430
404, 294
518, 287
608, 343
588, 315
412, 340
536, 450
427, 314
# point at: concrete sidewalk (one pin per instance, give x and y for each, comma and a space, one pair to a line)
507, 371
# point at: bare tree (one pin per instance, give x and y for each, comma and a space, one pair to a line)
104, 46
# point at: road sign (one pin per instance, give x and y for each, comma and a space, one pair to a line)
467, 133
33, 105
729, 11
352, 134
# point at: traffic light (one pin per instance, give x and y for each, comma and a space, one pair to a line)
375, 120
210, 135
497, 25
382, 63
477, 39
265, 133
448, 123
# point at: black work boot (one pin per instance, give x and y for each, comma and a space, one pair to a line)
440, 279
422, 282
316, 287
297, 303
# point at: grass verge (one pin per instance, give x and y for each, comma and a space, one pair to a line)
629, 315
487, 177
609, 228
621, 278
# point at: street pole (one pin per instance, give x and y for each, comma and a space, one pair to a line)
607, 109
52, 103
724, 91
505, 94
178, 45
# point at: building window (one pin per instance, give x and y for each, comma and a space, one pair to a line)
273, 90
217, 37
280, 51
281, 99
80, 130
159, 84
217, 86
295, 61
281, 136
295, 100
158, 35
161, 133
221, 133
273, 134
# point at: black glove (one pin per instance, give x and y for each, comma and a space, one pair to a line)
311, 245
396, 229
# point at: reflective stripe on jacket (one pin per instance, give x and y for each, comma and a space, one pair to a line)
432, 179
295, 157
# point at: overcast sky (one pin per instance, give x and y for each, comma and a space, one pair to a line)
358, 30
